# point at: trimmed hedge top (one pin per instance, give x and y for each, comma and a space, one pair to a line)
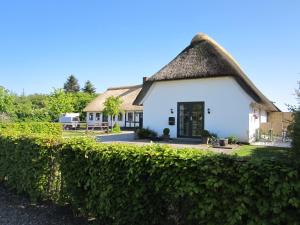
45, 128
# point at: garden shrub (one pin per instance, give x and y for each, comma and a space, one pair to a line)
116, 128
232, 139
205, 133
295, 131
166, 131
151, 185
145, 133
45, 128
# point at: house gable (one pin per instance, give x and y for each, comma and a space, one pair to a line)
204, 58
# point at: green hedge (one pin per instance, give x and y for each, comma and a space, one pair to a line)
45, 128
123, 184
30, 165
151, 185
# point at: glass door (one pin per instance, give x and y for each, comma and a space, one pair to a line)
184, 120
190, 119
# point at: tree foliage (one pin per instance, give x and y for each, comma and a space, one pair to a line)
112, 107
60, 102
80, 101
6, 103
44, 107
295, 127
89, 88
72, 85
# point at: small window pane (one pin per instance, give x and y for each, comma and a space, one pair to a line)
98, 116
104, 118
91, 116
130, 116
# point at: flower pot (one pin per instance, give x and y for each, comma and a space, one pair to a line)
166, 137
223, 142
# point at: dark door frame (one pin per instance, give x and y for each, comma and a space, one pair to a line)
189, 105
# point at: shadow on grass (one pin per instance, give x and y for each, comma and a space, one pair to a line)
265, 152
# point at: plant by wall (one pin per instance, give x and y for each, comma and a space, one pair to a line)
146, 133
232, 139
166, 131
116, 128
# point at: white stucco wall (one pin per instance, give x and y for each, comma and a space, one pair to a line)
228, 102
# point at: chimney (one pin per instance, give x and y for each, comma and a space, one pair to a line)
145, 79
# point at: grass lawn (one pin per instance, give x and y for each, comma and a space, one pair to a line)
263, 152
80, 133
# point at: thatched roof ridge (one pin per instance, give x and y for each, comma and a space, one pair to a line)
127, 94
125, 87
205, 58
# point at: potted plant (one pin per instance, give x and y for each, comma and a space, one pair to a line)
232, 140
166, 134
205, 135
146, 133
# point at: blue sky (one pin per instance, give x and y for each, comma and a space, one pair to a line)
116, 43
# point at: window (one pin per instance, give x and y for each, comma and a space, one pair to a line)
91, 116
130, 116
75, 119
104, 118
120, 117
98, 116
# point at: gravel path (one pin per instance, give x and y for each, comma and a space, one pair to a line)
17, 210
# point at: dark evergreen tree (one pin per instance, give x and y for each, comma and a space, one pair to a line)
72, 85
89, 88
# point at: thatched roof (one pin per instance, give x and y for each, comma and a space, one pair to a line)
127, 95
204, 58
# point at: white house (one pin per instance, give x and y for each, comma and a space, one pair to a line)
203, 88
131, 115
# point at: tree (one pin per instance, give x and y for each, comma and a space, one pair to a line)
6, 104
32, 108
80, 100
112, 107
72, 85
295, 127
60, 102
23, 108
38, 100
89, 88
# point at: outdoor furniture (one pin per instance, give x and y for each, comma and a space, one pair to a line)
102, 126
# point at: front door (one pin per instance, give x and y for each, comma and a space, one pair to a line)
190, 119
